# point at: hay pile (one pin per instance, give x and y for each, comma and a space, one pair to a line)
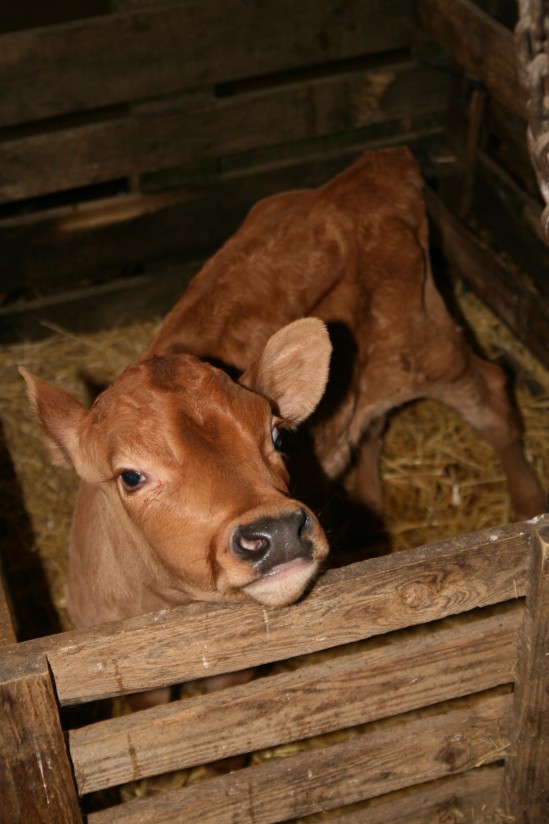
440, 479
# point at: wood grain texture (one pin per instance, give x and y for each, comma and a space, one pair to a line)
346, 605
339, 693
518, 305
482, 47
510, 143
128, 232
366, 766
123, 57
466, 798
418, 586
35, 773
526, 783
123, 300
181, 130
511, 219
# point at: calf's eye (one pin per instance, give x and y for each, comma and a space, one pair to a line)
131, 478
277, 438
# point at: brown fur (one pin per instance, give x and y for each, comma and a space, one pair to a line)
353, 254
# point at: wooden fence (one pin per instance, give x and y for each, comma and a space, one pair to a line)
452, 628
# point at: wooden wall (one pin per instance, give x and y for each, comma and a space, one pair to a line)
488, 210
133, 142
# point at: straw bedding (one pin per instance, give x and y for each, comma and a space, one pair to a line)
440, 479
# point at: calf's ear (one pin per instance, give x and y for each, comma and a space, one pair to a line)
292, 370
60, 416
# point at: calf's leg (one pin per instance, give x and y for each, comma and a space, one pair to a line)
479, 395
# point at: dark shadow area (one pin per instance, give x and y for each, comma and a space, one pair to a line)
32, 13
354, 532
445, 284
92, 387
33, 608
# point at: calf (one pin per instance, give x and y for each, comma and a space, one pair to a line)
184, 492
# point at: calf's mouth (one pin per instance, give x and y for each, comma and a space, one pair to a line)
284, 551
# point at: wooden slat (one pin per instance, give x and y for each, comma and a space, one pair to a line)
35, 773
512, 219
201, 126
127, 232
124, 57
463, 799
508, 144
346, 605
275, 710
513, 300
481, 46
326, 778
106, 235
526, 774
121, 301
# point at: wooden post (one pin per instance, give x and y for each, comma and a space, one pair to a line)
526, 777
35, 773
476, 114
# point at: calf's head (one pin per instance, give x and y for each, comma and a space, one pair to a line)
186, 465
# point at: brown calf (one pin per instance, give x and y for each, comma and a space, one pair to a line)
184, 493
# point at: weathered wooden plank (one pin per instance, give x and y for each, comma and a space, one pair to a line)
119, 58
507, 143
512, 219
462, 798
105, 236
182, 129
466, 798
481, 46
127, 232
35, 772
348, 604
526, 783
369, 765
121, 301
396, 678
524, 310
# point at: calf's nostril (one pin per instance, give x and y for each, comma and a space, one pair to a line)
274, 540
249, 543
252, 545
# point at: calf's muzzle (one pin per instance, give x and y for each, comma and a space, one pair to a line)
269, 542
